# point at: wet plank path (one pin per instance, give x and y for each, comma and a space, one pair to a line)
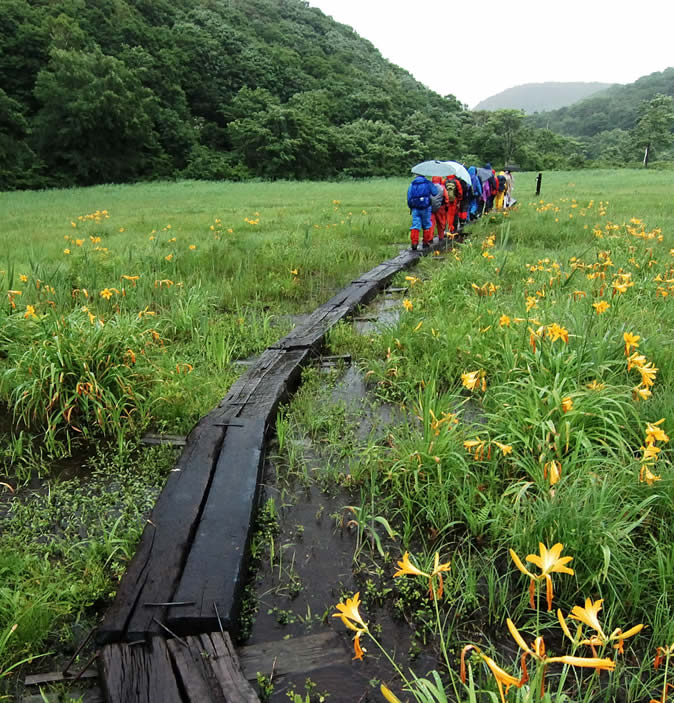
165, 636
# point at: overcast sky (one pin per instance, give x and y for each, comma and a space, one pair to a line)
502, 44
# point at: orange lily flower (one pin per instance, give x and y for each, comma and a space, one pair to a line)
349, 615
538, 653
553, 469
408, 569
655, 433
503, 678
470, 379
549, 561
647, 476
631, 341
589, 615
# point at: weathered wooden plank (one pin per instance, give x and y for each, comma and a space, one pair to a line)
225, 665
215, 565
56, 676
295, 655
261, 392
155, 568
172, 439
198, 681
139, 673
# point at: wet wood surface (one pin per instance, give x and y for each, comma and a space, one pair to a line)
296, 655
187, 573
195, 670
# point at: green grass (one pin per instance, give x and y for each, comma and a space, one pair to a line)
450, 487
192, 312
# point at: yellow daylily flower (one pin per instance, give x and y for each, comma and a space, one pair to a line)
503, 678
647, 476
631, 342
648, 373
635, 359
601, 307
349, 615
538, 653
505, 448
553, 471
548, 561
567, 404
596, 385
556, 332
654, 433
407, 304
408, 569
640, 393
470, 379
589, 615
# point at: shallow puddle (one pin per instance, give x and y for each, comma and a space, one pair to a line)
383, 312
310, 567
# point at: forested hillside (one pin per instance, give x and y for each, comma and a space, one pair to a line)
125, 90
537, 97
606, 120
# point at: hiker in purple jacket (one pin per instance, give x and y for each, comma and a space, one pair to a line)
419, 202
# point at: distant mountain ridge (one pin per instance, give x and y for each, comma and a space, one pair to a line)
614, 108
538, 97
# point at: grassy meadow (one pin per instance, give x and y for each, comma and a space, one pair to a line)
535, 364
535, 367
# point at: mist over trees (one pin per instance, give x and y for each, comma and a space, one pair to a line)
125, 90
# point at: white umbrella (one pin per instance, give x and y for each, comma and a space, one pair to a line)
433, 168
459, 171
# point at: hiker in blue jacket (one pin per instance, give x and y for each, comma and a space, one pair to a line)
474, 208
419, 202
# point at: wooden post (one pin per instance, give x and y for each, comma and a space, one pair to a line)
538, 183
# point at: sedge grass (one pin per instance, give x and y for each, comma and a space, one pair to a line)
546, 403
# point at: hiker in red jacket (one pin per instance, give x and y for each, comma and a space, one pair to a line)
455, 193
439, 204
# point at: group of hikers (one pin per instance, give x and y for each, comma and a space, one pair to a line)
448, 203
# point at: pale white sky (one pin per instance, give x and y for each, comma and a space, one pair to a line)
506, 43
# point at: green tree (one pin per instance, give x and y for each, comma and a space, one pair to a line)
16, 158
655, 123
94, 125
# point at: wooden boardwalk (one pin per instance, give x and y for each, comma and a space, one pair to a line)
165, 636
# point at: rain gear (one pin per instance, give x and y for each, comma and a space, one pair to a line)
500, 195
509, 198
421, 217
453, 208
474, 205
439, 216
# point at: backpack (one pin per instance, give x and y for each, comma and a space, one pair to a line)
493, 184
452, 190
437, 198
502, 185
419, 196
